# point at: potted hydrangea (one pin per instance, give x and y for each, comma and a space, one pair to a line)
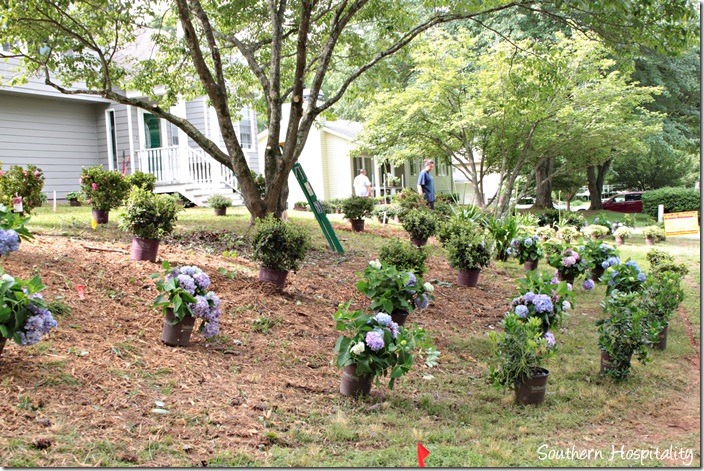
569, 263
518, 355
600, 256
103, 190
280, 246
420, 225
12, 230
626, 332
622, 233
374, 346
625, 277
25, 317
543, 297
183, 297
527, 249
355, 209
469, 251
595, 231
73, 198
653, 234
394, 291
219, 203
149, 218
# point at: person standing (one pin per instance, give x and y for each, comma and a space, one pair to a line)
362, 185
426, 187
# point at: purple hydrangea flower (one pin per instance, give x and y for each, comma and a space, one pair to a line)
213, 298
528, 297
422, 301
202, 280
211, 329
411, 279
569, 261
515, 243
190, 270
383, 319
521, 311
569, 286
200, 308
542, 303
588, 284
393, 327
549, 339
187, 283
554, 280
374, 340
9, 241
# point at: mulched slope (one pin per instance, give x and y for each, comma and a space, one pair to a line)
98, 376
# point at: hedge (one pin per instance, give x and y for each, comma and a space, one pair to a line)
675, 200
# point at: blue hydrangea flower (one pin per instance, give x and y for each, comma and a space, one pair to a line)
374, 340
383, 319
529, 296
528, 242
550, 339
393, 327
641, 277
588, 284
9, 241
633, 264
542, 303
190, 270
521, 311
422, 301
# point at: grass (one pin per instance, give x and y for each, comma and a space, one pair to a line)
458, 416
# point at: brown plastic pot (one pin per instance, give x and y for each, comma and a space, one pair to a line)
353, 385
468, 277
607, 363
419, 242
2, 344
144, 249
100, 216
269, 275
531, 265
532, 390
357, 225
568, 279
597, 273
662, 339
399, 317
179, 334
220, 211
74, 203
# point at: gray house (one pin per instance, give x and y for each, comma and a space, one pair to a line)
63, 133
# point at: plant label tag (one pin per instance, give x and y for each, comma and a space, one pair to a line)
17, 204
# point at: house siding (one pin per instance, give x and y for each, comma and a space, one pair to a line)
58, 136
337, 167
195, 113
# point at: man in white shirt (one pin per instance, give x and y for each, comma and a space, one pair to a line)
362, 185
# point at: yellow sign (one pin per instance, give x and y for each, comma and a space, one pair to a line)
681, 223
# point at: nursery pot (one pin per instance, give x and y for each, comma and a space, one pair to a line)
419, 242
468, 277
607, 362
220, 211
619, 240
532, 390
100, 216
357, 225
597, 273
568, 279
278, 277
660, 345
74, 203
399, 316
144, 249
179, 334
2, 344
649, 241
353, 385
531, 265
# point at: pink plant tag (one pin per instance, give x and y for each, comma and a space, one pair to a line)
81, 291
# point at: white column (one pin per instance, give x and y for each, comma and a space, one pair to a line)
130, 136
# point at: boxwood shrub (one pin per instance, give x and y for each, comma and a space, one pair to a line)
675, 200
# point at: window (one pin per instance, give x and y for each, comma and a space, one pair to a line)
246, 129
112, 139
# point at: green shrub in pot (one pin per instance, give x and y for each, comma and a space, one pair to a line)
420, 223
356, 208
279, 245
149, 216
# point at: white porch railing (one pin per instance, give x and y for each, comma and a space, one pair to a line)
184, 165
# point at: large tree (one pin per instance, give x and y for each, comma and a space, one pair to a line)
265, 49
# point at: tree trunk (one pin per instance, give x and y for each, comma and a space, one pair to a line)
543, 184
595, 182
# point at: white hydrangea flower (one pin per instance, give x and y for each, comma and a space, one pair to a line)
428, 287
358, 348
375, 263
7, 277
566, 305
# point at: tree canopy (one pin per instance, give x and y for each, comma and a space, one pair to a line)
266, 53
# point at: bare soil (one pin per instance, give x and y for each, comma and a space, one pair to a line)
100, 374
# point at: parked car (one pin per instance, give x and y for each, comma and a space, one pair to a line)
628, 202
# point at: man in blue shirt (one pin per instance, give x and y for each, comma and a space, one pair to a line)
426, 187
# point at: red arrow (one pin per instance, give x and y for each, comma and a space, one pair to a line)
422, 455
